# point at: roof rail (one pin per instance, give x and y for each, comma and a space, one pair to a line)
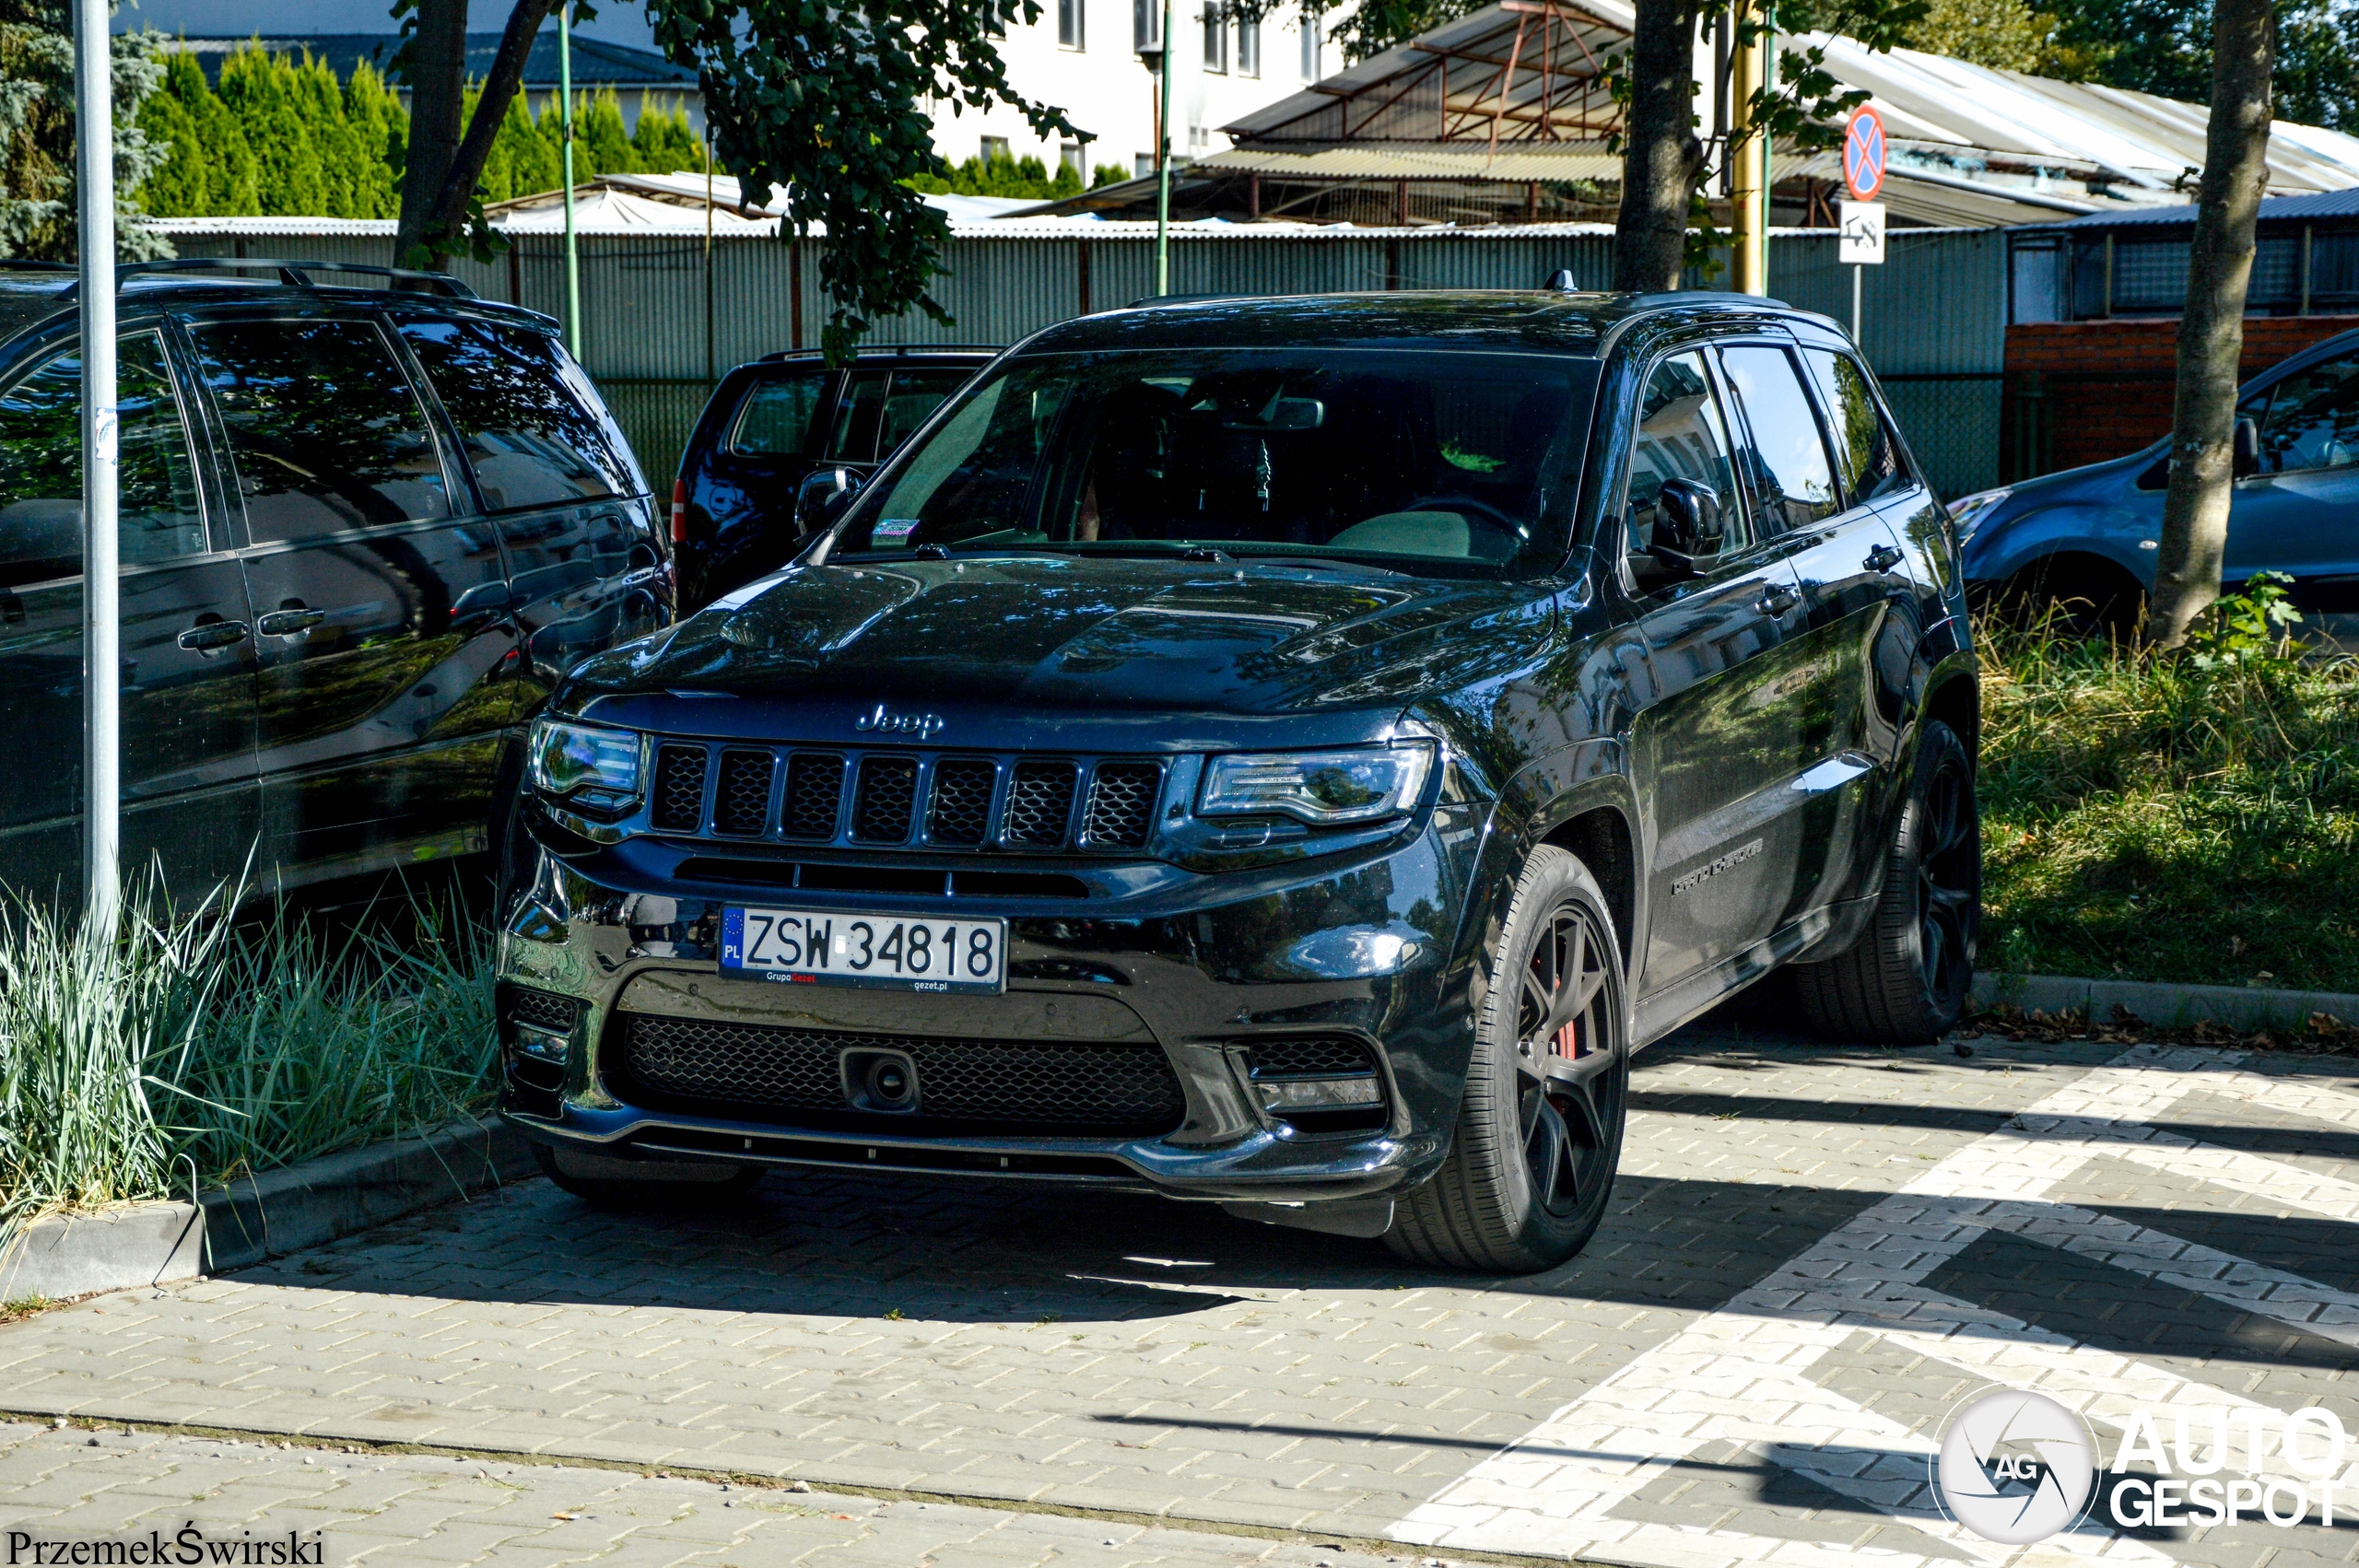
899, 350
295, 274
17, 263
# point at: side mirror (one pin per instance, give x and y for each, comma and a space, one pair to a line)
1688, 527
2247, 449
821, 498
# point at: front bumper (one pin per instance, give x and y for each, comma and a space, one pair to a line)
1203, 970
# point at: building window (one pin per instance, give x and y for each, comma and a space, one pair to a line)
1215, 38
1069, 33
997, 149
1248, 47
1146, 24
1310, 41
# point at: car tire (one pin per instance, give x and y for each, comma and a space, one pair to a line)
610, 1183
1538, 1130
1905, 981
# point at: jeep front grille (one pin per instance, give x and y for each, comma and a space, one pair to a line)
904, 799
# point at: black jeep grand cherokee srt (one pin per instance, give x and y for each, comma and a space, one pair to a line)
1287, 753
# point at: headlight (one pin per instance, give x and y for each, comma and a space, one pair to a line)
1324, 789
593, 767
1968, 511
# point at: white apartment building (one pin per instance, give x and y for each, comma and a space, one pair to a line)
1082, 56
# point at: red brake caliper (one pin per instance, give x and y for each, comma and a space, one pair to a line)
1568, 1040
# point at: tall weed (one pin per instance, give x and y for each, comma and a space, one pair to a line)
197, 1049
2188, 816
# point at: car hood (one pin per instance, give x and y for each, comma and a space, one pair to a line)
1045, 640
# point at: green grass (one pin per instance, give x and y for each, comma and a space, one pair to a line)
196, 1050
2188, 817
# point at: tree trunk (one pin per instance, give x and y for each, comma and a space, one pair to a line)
456, 165
1661, 155
2212, 328
437, 69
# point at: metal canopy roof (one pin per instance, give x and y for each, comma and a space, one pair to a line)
1504, 93
1518, 71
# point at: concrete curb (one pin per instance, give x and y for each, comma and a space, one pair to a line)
259, 1217
2155, 1003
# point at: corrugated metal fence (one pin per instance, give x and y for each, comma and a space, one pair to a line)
656, 320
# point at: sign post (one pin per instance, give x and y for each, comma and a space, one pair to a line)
1861, 234
101, 438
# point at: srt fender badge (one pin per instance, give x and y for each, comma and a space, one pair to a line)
924, 726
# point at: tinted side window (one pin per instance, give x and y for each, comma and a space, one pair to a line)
1682, 434
1863, 448
775, 419
41, 465
2313, 419
1788, 461
328, 432
914, 396
853, 439
524, 414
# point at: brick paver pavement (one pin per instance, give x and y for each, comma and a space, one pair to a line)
1813, 1254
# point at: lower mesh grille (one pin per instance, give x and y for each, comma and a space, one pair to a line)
765, 1073
542, 1009
1310, 1056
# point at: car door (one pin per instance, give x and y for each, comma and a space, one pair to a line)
380, 608
187, 671
560, 485
1711, 741
2299, 514
745, 479
1851, 571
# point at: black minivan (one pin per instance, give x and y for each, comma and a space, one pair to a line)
363, 531
1280, 753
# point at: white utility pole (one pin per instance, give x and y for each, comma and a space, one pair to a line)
101, 639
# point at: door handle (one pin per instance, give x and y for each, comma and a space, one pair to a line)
1882, 559
1777, 599
208, 635
290, 623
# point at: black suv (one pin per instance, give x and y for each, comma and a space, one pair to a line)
771, 426
363, 531
1287, 753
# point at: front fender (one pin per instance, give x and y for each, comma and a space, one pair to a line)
2109, 533
1541, 798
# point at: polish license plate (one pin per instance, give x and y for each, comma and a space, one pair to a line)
831, 947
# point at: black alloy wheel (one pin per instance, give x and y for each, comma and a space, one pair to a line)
1538, 1129
1567, 1096
1905, 981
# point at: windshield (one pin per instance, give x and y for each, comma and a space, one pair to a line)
1443, 463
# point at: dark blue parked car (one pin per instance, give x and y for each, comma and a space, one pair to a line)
2087, 536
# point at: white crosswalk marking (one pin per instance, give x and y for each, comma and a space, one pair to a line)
1741, 1376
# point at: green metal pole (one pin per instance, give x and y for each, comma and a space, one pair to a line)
1163, 166
565, 133
1768, 149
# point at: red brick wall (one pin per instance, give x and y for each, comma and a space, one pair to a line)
2105, 386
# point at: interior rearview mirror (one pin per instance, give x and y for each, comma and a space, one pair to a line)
1283, 413
822, 497
1688, 526
2247, 449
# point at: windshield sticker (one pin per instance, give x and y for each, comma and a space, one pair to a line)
895, 530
